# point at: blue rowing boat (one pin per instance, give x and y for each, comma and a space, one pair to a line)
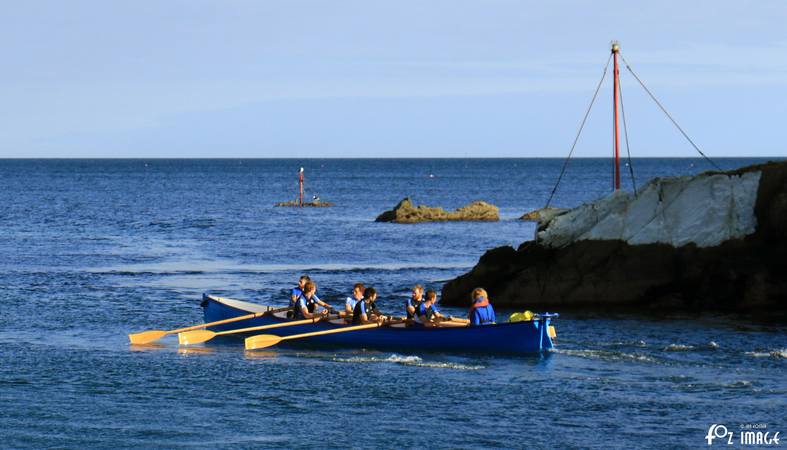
524, 337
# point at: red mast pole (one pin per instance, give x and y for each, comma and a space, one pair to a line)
615, 49
300, 187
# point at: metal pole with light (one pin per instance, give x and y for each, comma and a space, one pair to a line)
300, 187
616, 81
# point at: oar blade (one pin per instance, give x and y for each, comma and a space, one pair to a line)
262, 341
195, 337
146, 337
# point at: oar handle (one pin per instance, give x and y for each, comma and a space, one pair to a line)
457, 319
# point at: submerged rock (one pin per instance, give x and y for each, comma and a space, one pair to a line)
406, 212
307, 204
715, 241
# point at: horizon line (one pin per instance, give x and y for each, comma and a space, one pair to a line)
230, 158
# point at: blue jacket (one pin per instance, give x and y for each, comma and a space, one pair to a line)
483, 316
415, 304
425, 313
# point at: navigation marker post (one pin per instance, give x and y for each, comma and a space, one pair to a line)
300, 187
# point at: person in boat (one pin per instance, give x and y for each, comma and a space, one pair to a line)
306, 305
365, 310
427, 312
355, 297
481, 312
297, 291
415, 300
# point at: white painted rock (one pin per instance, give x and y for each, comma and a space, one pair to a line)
705, 209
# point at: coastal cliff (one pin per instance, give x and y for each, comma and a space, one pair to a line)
716, 241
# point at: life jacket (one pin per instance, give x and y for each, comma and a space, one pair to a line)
425, 313
484, 315
360, 308
420, 310
297, 292
364, 307
415, 304
311, 305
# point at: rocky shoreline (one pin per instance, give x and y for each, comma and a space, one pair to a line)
716, 241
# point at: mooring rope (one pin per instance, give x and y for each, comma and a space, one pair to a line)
668, 114
626, 134
579, 132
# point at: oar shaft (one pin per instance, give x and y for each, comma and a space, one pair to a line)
275, 325
218, 322
338, 330
234, 319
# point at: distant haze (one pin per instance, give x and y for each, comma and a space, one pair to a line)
385, 78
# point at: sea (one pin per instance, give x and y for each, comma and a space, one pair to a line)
91, 250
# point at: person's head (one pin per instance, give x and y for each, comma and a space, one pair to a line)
479, 294
303, 280
418, 291
431, 296
358, 290
370, 293
309, 288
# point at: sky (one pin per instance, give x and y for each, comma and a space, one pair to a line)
404, 78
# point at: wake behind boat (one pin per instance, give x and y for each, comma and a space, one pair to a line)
523, 337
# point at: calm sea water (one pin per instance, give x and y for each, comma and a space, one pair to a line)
91, 250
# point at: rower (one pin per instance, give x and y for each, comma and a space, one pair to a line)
481, 313
297, 291
357, 295
427, 313
307, 303
415, 300
365, 310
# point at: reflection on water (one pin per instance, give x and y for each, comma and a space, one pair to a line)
260, 354
147, 347
195, 350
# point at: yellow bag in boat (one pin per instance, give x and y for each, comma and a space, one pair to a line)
521, 317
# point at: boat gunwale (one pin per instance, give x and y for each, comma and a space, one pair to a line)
228, 302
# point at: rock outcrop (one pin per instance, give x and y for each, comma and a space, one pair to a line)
705, 210
542, 214
406, 212
715, 242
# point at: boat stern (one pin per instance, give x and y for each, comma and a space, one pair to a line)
547, 331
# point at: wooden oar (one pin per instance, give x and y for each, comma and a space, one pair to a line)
147, 337
199, 336
268, 340
457, 320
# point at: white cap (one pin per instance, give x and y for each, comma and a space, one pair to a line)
301, 169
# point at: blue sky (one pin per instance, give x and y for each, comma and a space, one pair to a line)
456, 78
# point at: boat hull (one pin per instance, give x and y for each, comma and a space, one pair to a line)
509, 338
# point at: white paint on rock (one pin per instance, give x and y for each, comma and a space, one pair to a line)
704, 209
